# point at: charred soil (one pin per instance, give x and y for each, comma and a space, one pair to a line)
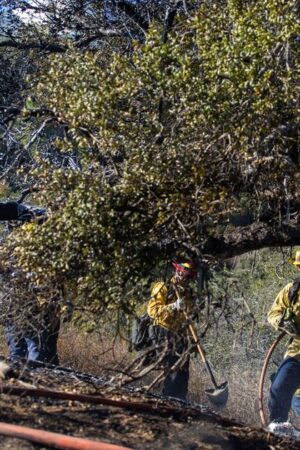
188, 427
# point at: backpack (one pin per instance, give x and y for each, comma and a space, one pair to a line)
140, 332
292, 295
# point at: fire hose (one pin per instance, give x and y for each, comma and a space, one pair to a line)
55, 440
262, 378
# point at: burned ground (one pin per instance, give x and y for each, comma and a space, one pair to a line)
189, 427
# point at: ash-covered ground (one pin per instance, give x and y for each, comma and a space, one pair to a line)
190, 427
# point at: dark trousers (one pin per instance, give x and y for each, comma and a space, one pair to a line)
283, 388
50, 343
176, 381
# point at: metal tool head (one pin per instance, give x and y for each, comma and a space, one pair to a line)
218, 396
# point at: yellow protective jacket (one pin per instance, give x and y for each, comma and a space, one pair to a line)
160, 311
279, 307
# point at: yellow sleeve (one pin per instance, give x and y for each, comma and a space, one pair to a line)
279, 306
157, 307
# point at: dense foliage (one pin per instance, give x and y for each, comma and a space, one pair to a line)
173, 139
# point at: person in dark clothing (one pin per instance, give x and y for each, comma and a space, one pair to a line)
12, 210
32, 332
168, 307
34, 338
50, 318
34, 315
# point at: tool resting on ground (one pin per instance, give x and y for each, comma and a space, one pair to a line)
219, 394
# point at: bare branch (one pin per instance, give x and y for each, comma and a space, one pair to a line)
45, 46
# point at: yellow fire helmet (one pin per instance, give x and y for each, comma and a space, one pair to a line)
296, 260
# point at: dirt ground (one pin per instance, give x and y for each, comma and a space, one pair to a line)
191, 428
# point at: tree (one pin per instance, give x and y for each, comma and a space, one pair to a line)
177, 140
114, 23
30, 30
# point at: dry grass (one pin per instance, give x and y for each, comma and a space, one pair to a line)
94, 353
91, 352
243, 399
243, 392
3, 346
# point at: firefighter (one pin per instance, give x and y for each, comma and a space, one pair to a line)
168, 306
285, 315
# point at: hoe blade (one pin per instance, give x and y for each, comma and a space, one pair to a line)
218, 396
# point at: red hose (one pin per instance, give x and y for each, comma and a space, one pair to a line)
262, 378
55, 440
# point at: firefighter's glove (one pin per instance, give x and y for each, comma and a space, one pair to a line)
289, 327
179, 305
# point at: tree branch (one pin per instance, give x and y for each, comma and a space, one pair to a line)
253, 237
241, 240
34, 45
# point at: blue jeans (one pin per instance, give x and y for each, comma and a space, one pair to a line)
283, 388
296, 404
23, 345
34, 347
